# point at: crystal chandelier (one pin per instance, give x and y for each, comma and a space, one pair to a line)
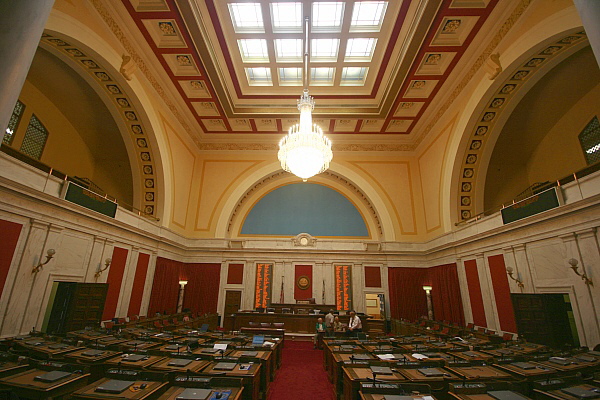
305, 151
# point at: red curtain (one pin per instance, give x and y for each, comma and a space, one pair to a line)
372, 277
506, 314
8, 244
475, 296
137, 291
114, 280
202, 291
165, 287
407, 297
445, 294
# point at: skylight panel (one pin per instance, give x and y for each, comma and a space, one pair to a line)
259, 76
253, 50
290, 76
360, 49
367, 16
246, 17
322, 76
324, 49
286, 17
327, 16
353, 76
288, 50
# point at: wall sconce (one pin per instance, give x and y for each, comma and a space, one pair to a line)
509, 271
183, 283
573, 265
49, 254
101, 270
427, 289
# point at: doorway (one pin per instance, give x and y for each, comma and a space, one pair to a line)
373, 305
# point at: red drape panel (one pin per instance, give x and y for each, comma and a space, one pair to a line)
235, 274
506, 314
114, 280
445, 294
165, 287
10, 236
475, 293
407, 297
202, 290
372, 277
301, 294
137, 291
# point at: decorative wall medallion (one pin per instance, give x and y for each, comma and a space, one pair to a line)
468, 173
149, 196
75, 52
113, 89
506, 89
123, 102
149, 183
475, 144
147, 169
520, 75
303, 282
534, 62
142, 143
466, 186
488, 116
137, 129
304, 239
145, 156
471, 159
90, 64
497, 102
465, 200
481, 130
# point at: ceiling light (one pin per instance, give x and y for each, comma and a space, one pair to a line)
305, 151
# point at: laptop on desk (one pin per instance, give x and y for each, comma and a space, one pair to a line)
258, 340
224, 366
194, 394
523, 365
559, 361
506, 395
204, 328
179, 362
113, 386
431, 372
581, 393
249, 354
361, 356
381, 370
134, 358
93, 353
51, 376
210, 351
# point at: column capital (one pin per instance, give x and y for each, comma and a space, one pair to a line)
38, 224
519, 247
586, 233
569, 237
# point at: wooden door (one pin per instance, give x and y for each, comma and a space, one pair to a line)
86, 306
543, 318
233, 303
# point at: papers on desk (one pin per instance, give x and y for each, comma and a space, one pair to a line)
268, 344
386, 356
220, 346
420, 356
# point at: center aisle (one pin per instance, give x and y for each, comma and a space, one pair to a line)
302, 375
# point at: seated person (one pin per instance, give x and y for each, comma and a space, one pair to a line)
320, 328
355, 325
337, 325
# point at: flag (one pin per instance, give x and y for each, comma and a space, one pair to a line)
323, 295
281, 297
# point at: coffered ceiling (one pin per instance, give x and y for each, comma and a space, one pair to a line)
375, 67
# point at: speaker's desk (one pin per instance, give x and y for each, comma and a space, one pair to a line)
250, 374
138, 390
295, 323
25, 385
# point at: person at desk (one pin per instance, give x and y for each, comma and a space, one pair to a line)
337, 325
329, 322
354, 325
320, 327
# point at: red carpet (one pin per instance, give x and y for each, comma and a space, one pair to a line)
301, 375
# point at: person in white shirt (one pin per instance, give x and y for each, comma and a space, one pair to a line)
329, 322
354, 325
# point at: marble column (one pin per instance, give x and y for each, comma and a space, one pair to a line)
487, 292
590, 260
464, 290
523, 267
23, 22
589, 12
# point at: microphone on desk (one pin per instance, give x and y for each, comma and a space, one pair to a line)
374, 377
352, 358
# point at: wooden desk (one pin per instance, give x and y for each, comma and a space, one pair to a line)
24, 384
135, 345
479, 396
88, 335
193, 366
8, 368
480, 373
336, 370
559, 394
250, 378
138, 390
436, 382
141, 364
375, 396
51, 350
172, 393
540, 371
474, 356
575, 365
266, 359
353, 376
90, 356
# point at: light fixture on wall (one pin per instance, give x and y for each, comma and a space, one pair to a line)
106, 265
509, 271
49, 254
182, 284
305, 151
573, 265
428, 290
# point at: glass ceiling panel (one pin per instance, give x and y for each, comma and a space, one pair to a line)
286, 17
367, 16
322, 76
259, 76
253, 50
327, 16
290, 76
288, 50
246, 17
353, 76
360, 49
324, 49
